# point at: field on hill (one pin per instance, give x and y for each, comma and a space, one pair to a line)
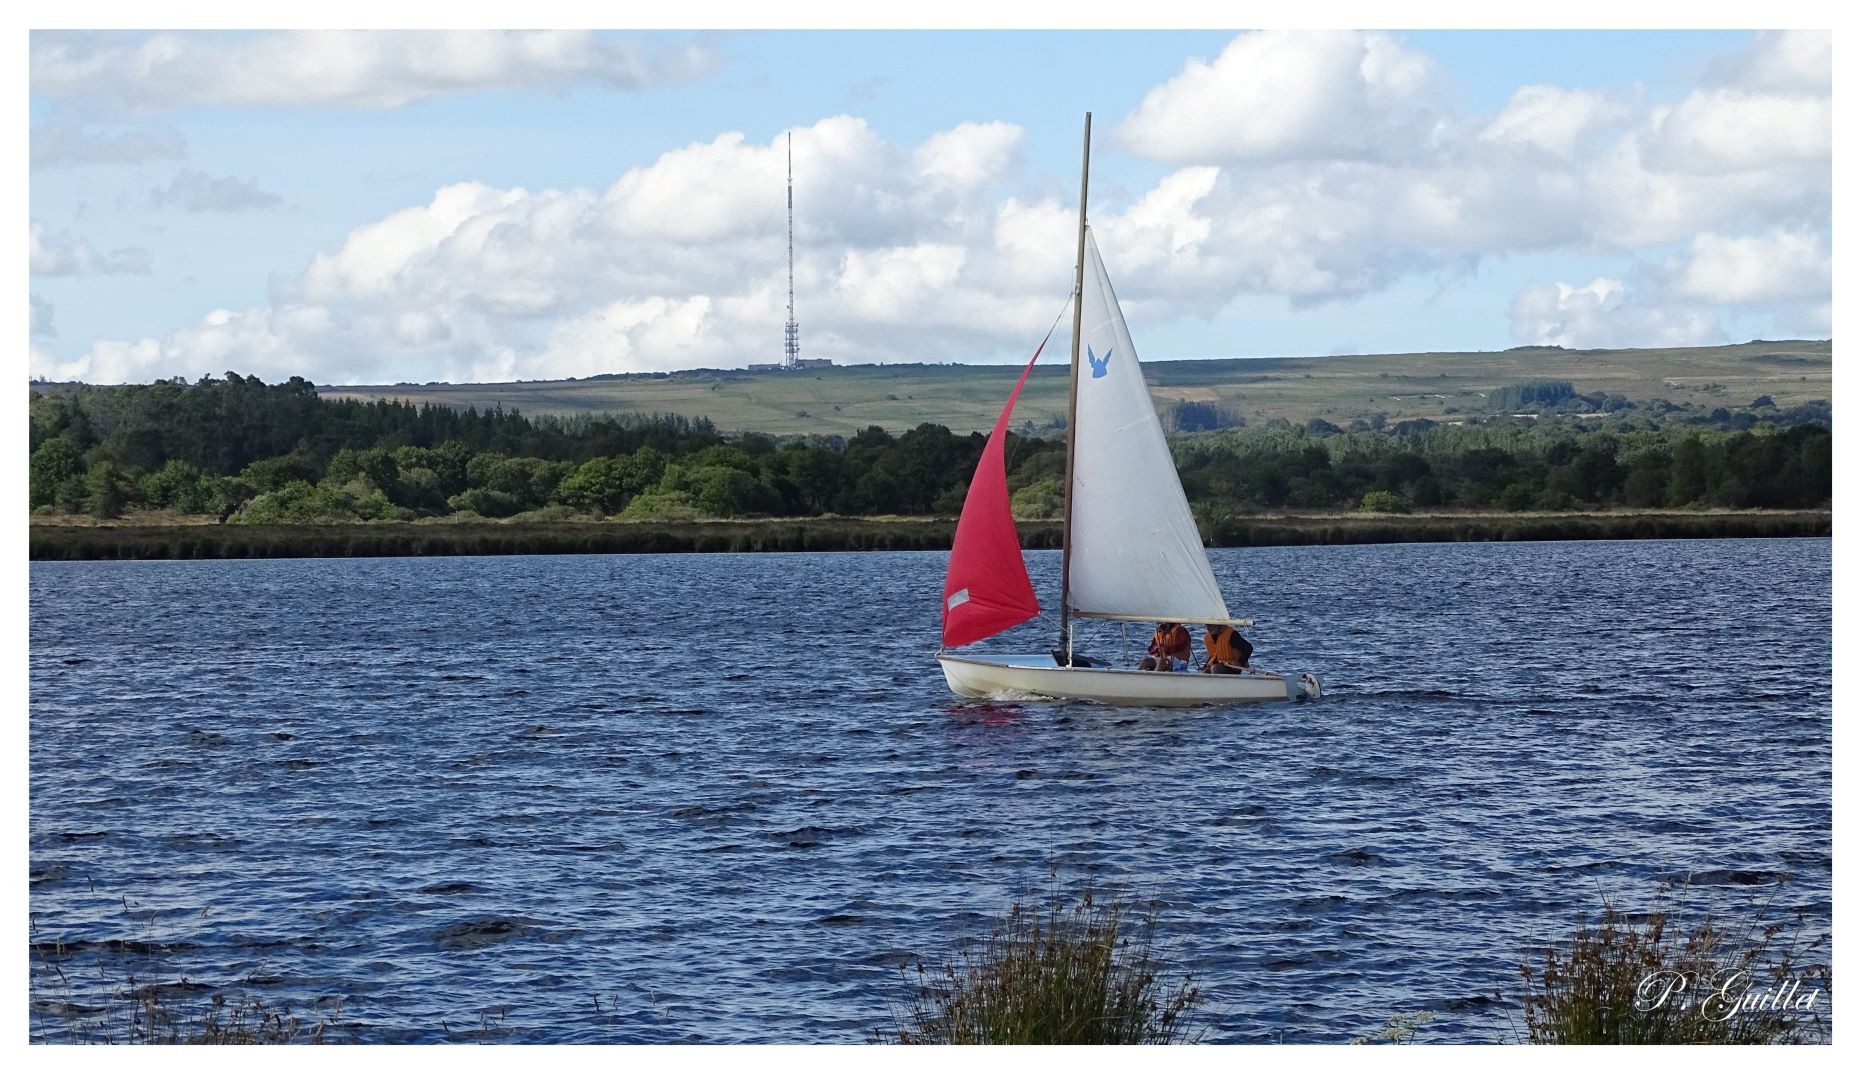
1339, 389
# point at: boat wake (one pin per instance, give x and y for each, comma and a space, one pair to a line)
1017, 695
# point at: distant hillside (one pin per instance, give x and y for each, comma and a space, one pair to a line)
1339, 389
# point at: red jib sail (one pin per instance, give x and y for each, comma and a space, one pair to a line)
986, 589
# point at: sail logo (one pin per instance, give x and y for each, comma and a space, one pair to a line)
1099, 365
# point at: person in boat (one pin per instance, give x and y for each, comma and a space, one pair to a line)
1169, 649
1228, 652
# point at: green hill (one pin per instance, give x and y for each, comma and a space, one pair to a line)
1339, 389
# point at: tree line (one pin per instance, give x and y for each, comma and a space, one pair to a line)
245, 451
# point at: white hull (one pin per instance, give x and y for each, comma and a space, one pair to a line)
1039, 676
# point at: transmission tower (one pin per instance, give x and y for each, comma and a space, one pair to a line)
791, 342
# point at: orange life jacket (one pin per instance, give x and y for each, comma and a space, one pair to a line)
1172, 642
1220, 644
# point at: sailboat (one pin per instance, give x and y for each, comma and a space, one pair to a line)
1130, 550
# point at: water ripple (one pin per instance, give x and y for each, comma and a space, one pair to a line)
721, 798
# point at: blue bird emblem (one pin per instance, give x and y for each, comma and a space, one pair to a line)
1098, 364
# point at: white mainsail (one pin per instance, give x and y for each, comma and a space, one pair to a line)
1135, 550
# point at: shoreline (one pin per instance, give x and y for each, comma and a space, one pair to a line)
196, 540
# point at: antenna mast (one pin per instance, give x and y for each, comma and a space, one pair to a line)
791, 343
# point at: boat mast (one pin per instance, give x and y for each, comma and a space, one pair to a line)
1072, 408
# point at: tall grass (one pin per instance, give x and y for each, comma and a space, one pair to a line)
503, 538
1647, 979
1058, 971
119, 992
1399, 1029
135, 1013
1220, 527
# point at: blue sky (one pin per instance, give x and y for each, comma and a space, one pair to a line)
378, 207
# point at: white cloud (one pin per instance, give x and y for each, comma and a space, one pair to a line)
1604, 313
1763, 108
373, 255
1780, 266
276, 343
899, 283
914, 253
1783, 272
650, 333
108, 361
1323, 115
970, 155
678, 263
1630, 201
198, 192
342, 68
1289, 95
1807, 322
1726, 130
59, 144
1781, 61
1552, 120
63, 254
41, 318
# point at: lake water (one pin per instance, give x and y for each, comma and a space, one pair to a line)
720, 798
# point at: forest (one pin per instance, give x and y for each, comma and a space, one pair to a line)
246, 452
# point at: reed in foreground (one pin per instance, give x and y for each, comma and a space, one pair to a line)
1084, 971
1644, 979
134, 1011
121, 991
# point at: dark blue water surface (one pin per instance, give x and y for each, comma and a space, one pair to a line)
720, 798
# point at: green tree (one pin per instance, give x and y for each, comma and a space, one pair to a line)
52, 468
489, 503
1045, 498
177, 485
272, 474
1518, 496
1648, 478
1595, 475
1384, 502
1688, 479
418, 489
661, 505
601, 485
107, 490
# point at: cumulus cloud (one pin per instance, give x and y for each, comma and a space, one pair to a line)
1554, 166
678, 263
970, 155
41, 318
1765, 107
650, 333
1363, 179
1552, 120
63, 254
1783, 272
1290, 95
108, 361
1780, 61
1780, 266
1814, 321
58, 144
1604, 313
198, 192
343, 68
1728, 130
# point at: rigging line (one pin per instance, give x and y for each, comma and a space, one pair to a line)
1048, 338
1064, 306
